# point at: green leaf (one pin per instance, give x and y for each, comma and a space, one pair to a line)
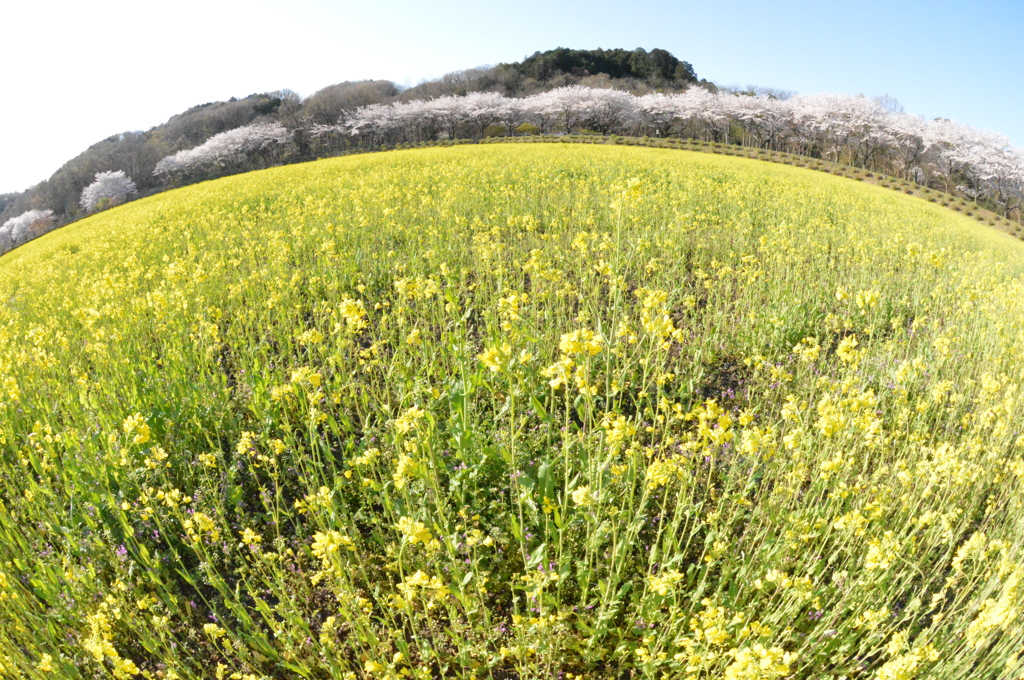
542, 412
537, 556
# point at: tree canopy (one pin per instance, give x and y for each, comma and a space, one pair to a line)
658, 67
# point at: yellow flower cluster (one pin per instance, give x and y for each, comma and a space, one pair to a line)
327, 543
414, 532
420, 585
136, 427
584, 343
417, 288
199, 525
99, 646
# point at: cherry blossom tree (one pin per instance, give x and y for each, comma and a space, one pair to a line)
541, 111
908, 133
321, 139
373, 123
843, 123
483, 109
983, 157
606, 110
764, 118
226, 149
418, 118
946, 142
512, 113
658, 112
707, 109
1000, 177
1008, 184
24, 227
566, 104
450, 112
108, 189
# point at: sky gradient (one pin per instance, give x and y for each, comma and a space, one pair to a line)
80, 72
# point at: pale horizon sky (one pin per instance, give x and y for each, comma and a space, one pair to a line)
80, 72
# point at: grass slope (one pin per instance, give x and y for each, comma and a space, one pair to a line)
513, 411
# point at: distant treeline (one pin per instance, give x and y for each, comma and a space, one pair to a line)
606, 91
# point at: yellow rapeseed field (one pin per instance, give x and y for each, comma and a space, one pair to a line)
514, 411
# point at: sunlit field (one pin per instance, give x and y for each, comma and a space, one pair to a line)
514, 411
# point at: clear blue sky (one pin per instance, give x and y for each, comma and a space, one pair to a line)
77, 72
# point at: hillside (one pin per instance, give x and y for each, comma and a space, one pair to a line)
513, 411
635, 93
137, 152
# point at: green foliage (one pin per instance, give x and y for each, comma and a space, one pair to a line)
268, 106
657, 66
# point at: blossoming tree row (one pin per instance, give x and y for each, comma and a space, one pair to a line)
846, 129
843, 128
